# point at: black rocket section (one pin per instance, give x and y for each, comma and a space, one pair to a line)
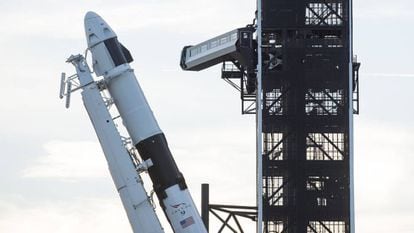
164, 172
126, 53
119, 54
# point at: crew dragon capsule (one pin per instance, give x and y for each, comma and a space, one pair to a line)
111, 60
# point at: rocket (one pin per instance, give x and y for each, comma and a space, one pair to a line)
128, 182
111, 60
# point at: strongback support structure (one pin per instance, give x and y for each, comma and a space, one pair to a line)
304, 100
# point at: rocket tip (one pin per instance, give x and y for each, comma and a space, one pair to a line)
91, 15
96, 29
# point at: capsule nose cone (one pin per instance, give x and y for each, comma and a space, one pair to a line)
90, 15
96, 29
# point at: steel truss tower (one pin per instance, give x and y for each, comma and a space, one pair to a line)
309, 98
307, 92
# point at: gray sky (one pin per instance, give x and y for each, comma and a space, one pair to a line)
54, 177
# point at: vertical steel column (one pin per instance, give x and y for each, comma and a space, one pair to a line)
259, 126
205, 201
351, 125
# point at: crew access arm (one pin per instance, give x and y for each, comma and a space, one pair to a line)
237, 46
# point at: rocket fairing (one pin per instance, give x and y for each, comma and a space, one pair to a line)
110, 59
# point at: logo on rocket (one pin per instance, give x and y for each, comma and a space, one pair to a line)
178, 205
180, 208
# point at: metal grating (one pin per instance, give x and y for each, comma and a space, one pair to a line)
326, 227
325, 146
324, 13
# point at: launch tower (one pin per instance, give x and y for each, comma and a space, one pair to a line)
300, 78
309, 96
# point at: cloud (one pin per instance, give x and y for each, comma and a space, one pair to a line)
50, 19
69, 161
385, 222
83, 215
381, 10
383, 168
387, 75
207, 157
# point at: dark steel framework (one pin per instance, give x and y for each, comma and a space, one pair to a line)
228, 215
310, 91
307, 102
307, 99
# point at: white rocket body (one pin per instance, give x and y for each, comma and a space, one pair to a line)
110, 59
134, 198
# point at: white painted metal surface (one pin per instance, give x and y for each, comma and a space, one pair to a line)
259, 122
134, 198
351, 125
211, 49
132, 105
128, 96
97, 30
181, 211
